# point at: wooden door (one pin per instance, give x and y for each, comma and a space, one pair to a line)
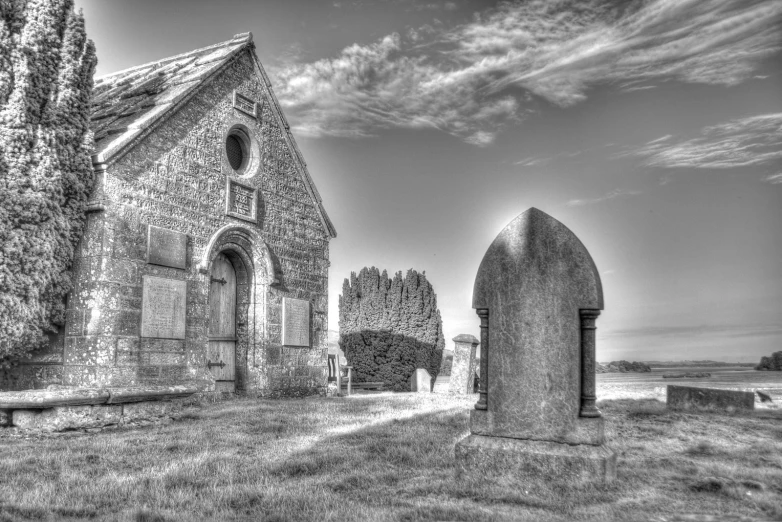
222, 323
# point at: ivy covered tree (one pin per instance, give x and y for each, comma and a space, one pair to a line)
46, 69
390, 327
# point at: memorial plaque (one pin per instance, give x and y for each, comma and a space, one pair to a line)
245, 104
166, 247
240, 200
163, 306
295, 322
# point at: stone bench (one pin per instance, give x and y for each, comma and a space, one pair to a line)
87, 408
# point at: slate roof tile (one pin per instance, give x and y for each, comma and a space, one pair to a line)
129, 101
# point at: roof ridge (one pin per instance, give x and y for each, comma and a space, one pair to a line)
241, 38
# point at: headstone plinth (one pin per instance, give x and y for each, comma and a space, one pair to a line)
525, 462
463, 365
537, 294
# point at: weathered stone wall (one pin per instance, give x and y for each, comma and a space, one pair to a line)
175, 178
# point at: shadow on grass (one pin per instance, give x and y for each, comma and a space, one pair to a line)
400, 463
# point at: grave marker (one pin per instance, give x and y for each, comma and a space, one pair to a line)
420, 381
537, 293
694, 398
463, 366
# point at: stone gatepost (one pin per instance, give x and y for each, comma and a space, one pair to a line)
537, 294
463, 367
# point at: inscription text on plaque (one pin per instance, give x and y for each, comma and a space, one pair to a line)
163, 307
295, 322
166, 247
240, 200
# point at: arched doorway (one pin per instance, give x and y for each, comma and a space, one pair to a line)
221, 354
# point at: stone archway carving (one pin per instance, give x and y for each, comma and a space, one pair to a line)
259, 251
247, 246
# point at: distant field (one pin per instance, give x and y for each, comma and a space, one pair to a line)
651, 385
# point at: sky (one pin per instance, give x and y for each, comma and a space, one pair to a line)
652, 129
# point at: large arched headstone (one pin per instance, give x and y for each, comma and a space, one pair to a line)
538, 294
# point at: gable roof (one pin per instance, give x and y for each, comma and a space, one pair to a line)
127, 105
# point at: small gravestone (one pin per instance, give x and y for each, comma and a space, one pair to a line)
693, 398
537, 294
421, 381
463, 366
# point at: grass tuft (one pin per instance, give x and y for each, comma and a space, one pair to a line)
148, 516
707, 485
703, 447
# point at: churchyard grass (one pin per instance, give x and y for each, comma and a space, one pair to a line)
381, 457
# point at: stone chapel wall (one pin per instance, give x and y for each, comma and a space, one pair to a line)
175, 178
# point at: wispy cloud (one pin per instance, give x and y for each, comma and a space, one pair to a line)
606, 197
774, 178
533, 161
738, 143
474, 79
639, 88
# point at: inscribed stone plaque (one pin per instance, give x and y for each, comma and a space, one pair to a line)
163, 306
166, 247
295, 322
240, 200
245, 104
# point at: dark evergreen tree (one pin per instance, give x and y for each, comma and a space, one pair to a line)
390, 327
46, 69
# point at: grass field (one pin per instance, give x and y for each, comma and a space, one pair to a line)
383, 457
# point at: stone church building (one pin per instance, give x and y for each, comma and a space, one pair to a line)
205, 256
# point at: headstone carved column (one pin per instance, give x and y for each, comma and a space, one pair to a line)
483, 388
588, 408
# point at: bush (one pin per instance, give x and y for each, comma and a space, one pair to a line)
771, 363
390, 327
46, 68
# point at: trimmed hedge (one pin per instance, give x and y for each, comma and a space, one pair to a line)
46, 69
390, 327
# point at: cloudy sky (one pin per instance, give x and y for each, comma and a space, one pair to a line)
652, 129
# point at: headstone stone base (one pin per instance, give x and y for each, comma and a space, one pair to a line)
585, 430
517, 462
